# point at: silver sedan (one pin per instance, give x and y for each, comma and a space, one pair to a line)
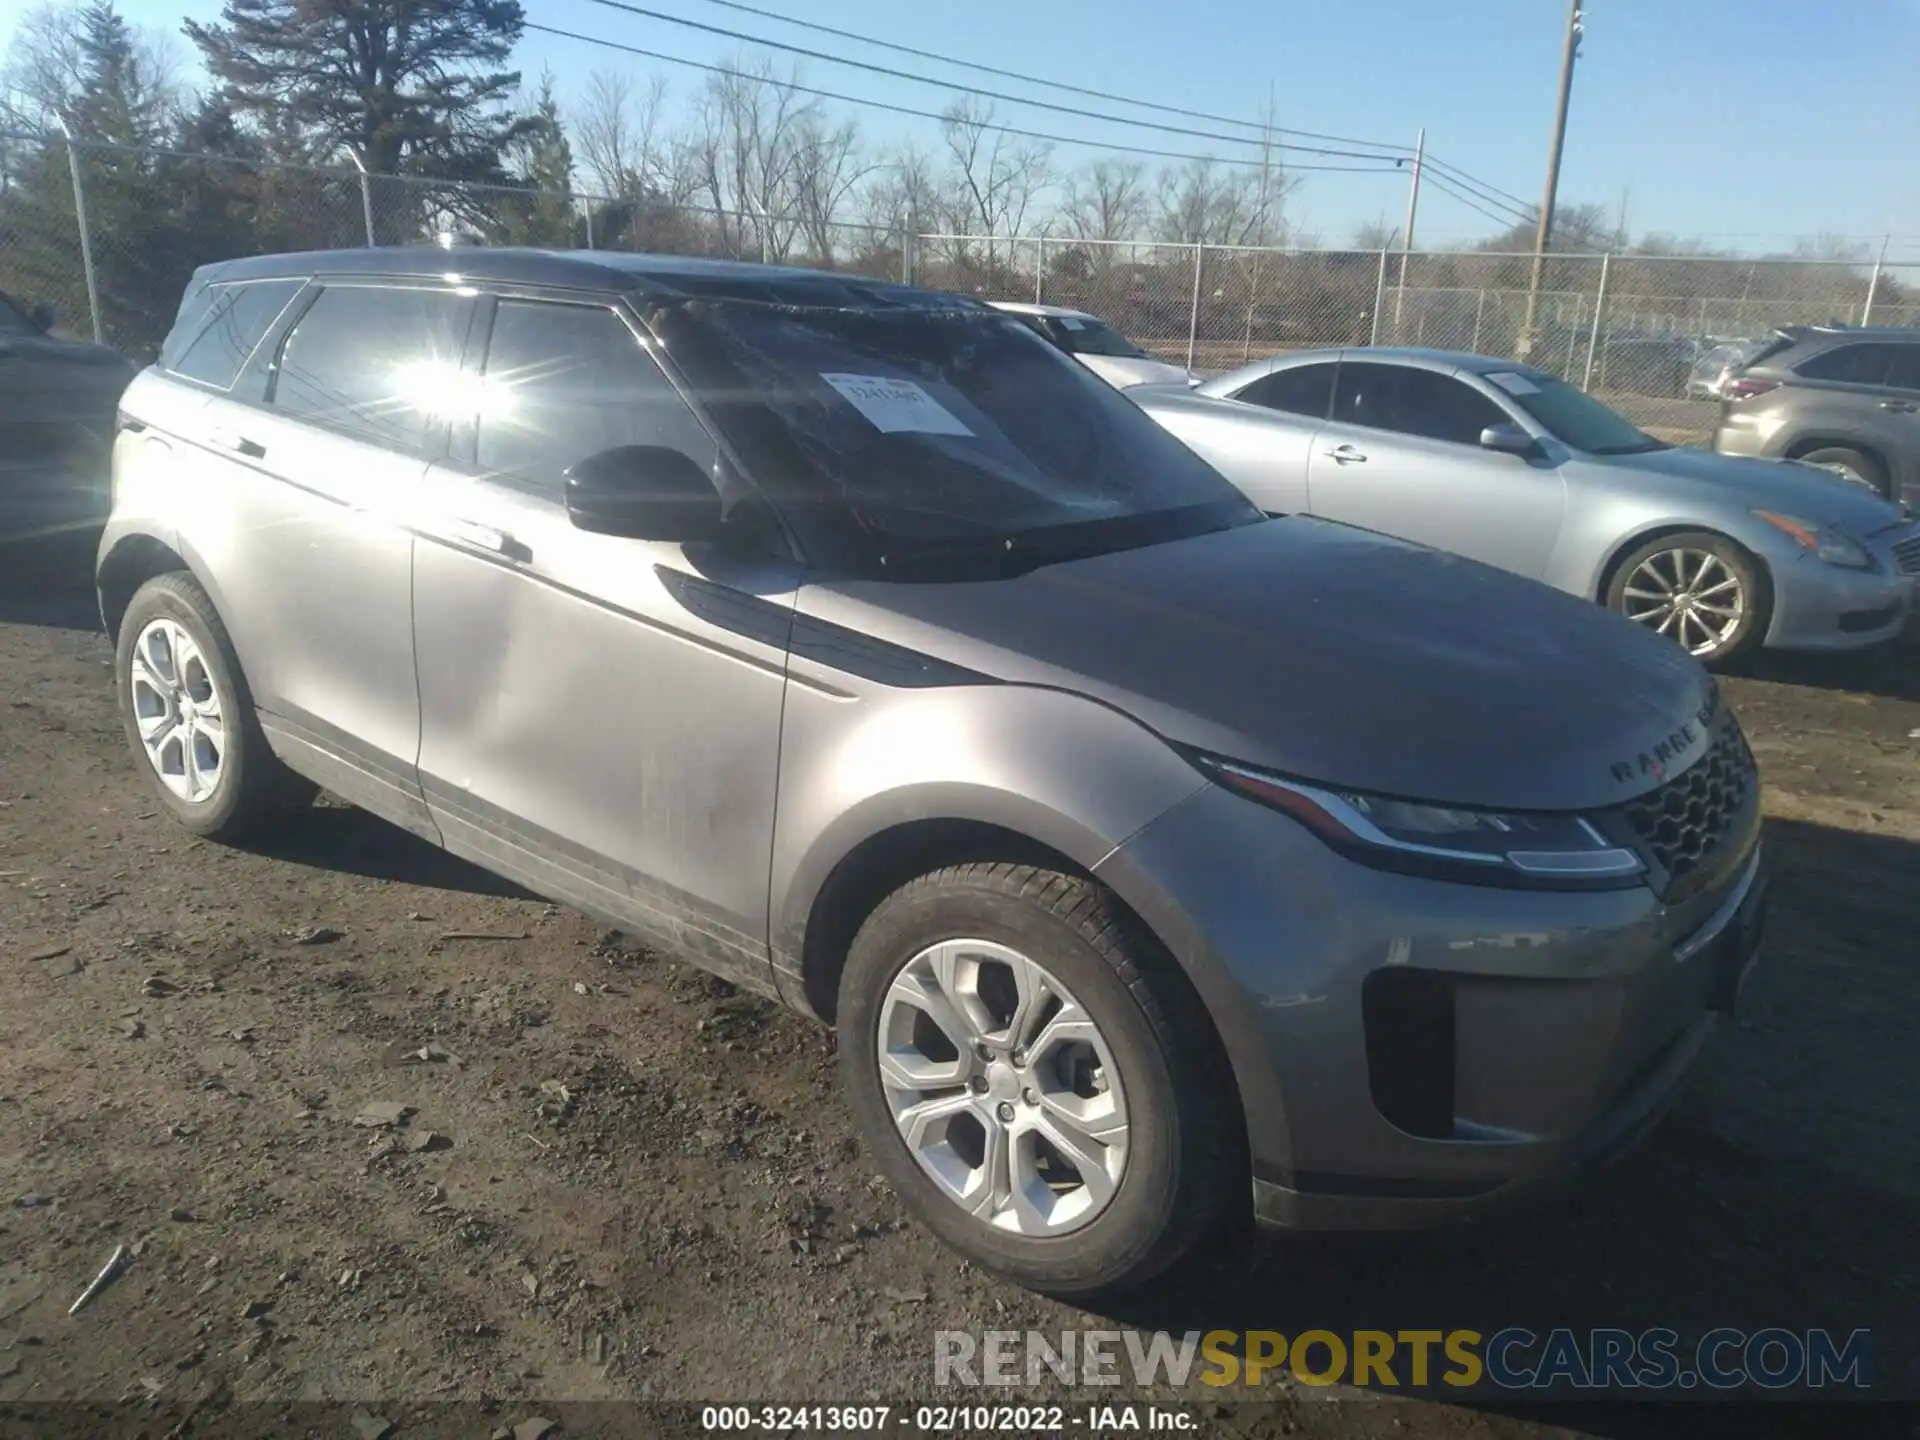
1508, 465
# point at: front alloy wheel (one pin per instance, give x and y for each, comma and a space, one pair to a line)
1003, 1088
1693, 596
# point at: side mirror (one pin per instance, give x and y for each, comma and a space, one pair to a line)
644, 492
44, 316
1509, 439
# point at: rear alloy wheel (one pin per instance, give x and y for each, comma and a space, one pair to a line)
1699, 590
189, 716
1037, 1079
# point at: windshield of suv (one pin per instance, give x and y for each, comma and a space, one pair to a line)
1574, 417
1079, 335
893, 439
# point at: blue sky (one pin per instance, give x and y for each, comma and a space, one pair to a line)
1744, 122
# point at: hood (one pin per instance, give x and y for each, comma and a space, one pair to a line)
1328, 654
1125, 372
1779, 485
52, 350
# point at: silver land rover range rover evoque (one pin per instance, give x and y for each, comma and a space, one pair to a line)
1153, 858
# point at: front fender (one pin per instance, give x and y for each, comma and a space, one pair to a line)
1067, 772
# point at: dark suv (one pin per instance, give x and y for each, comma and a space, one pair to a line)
57, 399
1845, 398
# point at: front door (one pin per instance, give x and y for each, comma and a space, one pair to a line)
1401, 455
600, 716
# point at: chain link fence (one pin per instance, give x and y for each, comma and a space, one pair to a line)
113, 253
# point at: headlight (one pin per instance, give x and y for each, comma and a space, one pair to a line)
1829, 542
1478, 846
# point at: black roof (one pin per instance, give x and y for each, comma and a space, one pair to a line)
605, 270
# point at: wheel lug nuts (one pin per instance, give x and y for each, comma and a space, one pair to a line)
983, 1050
1019, 1057
1006, 1111
1028, 1096
979, 1084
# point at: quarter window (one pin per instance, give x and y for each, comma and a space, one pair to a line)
1298, 390
1849, 364
238, 319
1905, 374
1413, 402
379, 361
567, 381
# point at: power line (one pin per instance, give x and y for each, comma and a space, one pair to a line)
891, 73
1439, 182
1384, 168
1492, 194
1040, 80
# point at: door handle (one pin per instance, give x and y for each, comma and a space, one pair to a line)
482, 537
1899, 407
236, 444
1347, 455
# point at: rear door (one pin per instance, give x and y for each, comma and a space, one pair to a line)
1401, 455
600, 716
315, 552
1902, 408
1851, 394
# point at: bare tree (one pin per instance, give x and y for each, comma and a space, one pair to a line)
1107, 200
622, 140
995, 176
1205, 202
827, 169
745, 146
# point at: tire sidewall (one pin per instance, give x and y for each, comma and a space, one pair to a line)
166, 598
1113, 1244
1752, 579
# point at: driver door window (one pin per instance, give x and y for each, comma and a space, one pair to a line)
1303, 390
1413, 402
563, 382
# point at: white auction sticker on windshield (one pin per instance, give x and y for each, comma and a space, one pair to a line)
1514, 383
896, 406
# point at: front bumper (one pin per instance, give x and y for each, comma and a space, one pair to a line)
1550, 1029
1817, 606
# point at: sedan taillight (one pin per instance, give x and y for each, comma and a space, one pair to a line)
1741, 389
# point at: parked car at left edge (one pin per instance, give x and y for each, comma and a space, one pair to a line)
57, 399
1514, 467
1097, 345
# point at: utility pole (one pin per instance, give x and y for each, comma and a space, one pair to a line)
1543, 235
1413, 208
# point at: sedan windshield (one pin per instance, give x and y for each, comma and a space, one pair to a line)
1082, 335
1572, 416
895, 439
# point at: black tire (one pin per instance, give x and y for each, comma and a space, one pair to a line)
1755, 587
1186, 1162
1863, 469
254, 789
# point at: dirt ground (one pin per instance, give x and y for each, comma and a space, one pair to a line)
619, 1180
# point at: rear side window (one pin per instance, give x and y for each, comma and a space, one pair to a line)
1299, 390
235, 323
382, 362
1413, 402
567, 381
1849, 364
1905, 374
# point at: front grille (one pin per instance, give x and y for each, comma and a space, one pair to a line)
1684, 823
1906, 554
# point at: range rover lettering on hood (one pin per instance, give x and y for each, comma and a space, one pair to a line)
1655, 761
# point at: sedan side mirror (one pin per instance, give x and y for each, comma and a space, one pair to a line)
44, 316
644, 492
1509, 439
